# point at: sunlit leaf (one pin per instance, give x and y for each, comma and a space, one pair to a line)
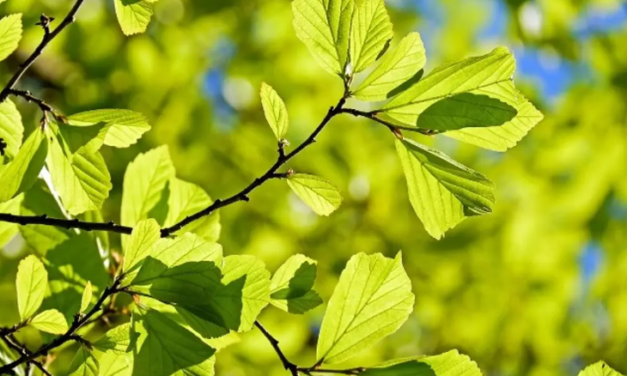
123, 127
370, 33
20, 174
10, 34
291, 285
133, 15
320, 195
274, 110
84, 363
9, 230
11, 128
31, 283
372, 300
116, 340
86, 298
50, 321
451, 363
116, 364
599, 369
324, 27
442, 191
145, 234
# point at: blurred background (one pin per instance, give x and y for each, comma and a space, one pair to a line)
538, 288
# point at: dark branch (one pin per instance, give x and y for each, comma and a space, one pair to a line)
65, 223
47, 38
14, 344
45, 107
395, 128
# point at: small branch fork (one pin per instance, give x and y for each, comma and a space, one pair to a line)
296, 370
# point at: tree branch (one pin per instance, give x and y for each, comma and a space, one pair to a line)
12, 342
395, 128
47, 38
70, 335
65, 223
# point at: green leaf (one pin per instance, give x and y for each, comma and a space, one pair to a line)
599, 369
274, 110
123, 127
11, 128
86, 298
396, 69
186, 199
81, 179
145, 234
50, 321
370, 35
371, 301
324, 26
505, 136
320, 195
20, 174
291, 285
133, 15
84, 363
89, 139
166, 348
116, 364
464, 111
10, 34
117, 340
144, 181
31, 283
442, 191
451, 363
9, 230
491, 73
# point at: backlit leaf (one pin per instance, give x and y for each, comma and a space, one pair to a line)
50, 321
291, 285
123, 127
145, 234
451, 363
31, 283
274, 110
370, 33
10, 34
20, 174
86, 298
11, 128
320, 195
116, 340
599, 369
84, 363
133, 15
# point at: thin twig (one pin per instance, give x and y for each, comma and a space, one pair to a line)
45, 107
13, 343
293, 368
395, 128
65, 223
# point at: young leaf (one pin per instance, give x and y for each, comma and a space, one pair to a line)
165, 348
274, 110
89, 139
599, 369
133, 15
465, 110
50, 321
451, 363
9, 230
396, 69
82, 179
84, 363
291, 285
145, 234
324, 26
144, 180
371, 32
11, 128
124, 127
320, 195
10, 34
505, 136
20, 174
186, 199
474, 75
116, 364
442, 191
31, 283
117, 340
371, 301
86, 298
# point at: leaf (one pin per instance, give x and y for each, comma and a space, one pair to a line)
165, 348
320, 195
371, 32
11, 128
81, 179
599, 369
117, 340
324, 26
371, 301
9, 230
442, 191
50, 321
10, 34
124, 127
89, 139
395, 70
86, 298
291, 285
20, 174
84, 363
144, 181
275, 111
505, 136
133, 15
145, 234
464, 111
116, 364
31, 283
186, 199
478, 75
451, 363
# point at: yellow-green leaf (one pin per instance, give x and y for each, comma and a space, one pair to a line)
451, 363
11, 128
599, 369
145, 234
10, 34
371, 32
274, 110
50, 321
123, 127
133, 15
86, 298
31, 283
320, 195
84, 363
20, 174
291, 285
